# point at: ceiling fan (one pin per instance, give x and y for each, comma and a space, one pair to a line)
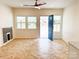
36, 5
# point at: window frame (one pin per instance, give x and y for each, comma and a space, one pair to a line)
59, 23
32, 23
20, 23
26, 23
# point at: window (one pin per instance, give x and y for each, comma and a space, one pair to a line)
26, 22
31, 22
21, 22
57, 23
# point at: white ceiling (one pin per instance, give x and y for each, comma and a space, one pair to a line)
50, 3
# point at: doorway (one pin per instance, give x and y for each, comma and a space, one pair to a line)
44, 27
50, 27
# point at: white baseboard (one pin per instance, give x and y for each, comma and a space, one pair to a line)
6, 42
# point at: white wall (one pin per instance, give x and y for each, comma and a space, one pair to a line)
71, 22
6, 19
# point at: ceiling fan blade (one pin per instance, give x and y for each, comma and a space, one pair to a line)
42, 4
36, 0
28, 5
36, 4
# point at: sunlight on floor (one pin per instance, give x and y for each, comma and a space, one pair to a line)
43, 45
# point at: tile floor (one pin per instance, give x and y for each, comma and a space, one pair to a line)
34, 49
73, 52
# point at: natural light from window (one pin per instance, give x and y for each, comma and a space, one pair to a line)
26, 22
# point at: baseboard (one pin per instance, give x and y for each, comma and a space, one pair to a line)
57, 38
6, 43
73, 46
25, 38
65, 42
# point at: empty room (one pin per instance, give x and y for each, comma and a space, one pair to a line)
39, 29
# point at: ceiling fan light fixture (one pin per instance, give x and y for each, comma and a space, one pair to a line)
37, 7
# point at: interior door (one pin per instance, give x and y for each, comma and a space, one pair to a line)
50, 27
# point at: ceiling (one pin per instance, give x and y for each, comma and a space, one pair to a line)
50, 3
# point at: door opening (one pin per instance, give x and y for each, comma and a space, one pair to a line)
44, 27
